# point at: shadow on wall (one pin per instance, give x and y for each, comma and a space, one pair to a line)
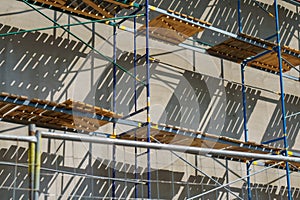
193, 8
35, 64
183, 102
193, 187
255, 21
189, 101
261, 191
186, 99
14, 180
275, 129
165, 184
206, 103
102, 93
227, 118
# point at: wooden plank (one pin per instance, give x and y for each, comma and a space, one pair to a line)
160, 29
82, 107
293, 60
119, 3
98, 8
70, 9
13, 96
7, 108
236, 50
12, 115
4, 94
53, 118
182, 28
178, 32
223, 55
62, 2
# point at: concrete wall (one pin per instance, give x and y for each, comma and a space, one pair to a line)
186, 91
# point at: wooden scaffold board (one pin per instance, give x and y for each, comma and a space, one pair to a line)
206, 141
61, 116
52, 115
237, 50
93, 9
171, 29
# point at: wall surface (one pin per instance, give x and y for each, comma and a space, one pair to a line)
189, 89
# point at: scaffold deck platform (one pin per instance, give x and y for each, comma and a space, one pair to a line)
86, 8
48, 114
77, 116
170, 29
175, 27
237, 50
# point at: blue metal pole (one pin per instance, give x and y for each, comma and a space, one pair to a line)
114, 110
248, 165
135, 106
239, 17
243, 65
287, 168
148, 96
134, 64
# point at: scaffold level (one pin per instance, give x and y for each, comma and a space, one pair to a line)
86, 8
49, 114
175, 27
77, 116
174, 30
237, 50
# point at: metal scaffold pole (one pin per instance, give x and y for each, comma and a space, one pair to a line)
37, 169
148, 96
243, 66
278, 49
248, 164
135, 104
239, 17
114, 109
31, 162
177, 148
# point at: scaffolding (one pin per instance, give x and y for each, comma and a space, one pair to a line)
79, 117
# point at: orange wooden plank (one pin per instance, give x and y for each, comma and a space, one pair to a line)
237, 51
70, 9
98, 8
119, 3
170, 29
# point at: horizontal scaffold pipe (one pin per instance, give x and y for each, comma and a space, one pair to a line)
171, 147
107, 21
18, 138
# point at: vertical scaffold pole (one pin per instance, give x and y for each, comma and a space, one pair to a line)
239, 17
31, 161
248, 165
135, 105
90, 160
148, 96
37, 165
114, 109
287, 168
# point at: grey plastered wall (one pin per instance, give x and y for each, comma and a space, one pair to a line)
186, 91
